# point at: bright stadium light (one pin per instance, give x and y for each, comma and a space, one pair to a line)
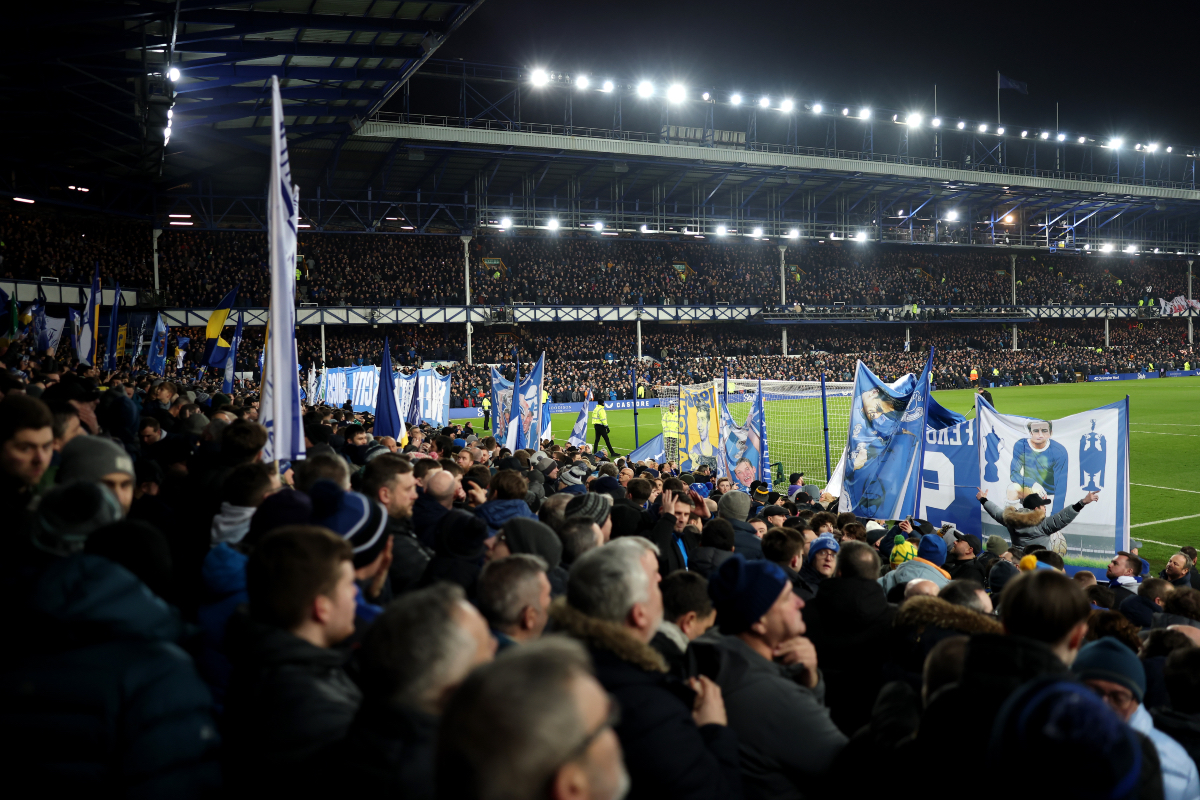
952, 215
862, 236
1131, 249
582, 81
983, 127
864, 113
961, 124
170, 113
676, 93
1081, 140
552, 224
607, 86
1137, 146
23, 200
645, 229
1045, 134
706, 96
735, 99
721, 230
936, 122
1169, 149
914, 119
764, 102
758, 232
173, 74
1024, 134
1116, 142
1151, 147
786, 106
539, 77
1106, 248
505, 222
1062, 137
845, 112
1009, 219
817, 108
794, 233
645, 89
598, 226
1000, 129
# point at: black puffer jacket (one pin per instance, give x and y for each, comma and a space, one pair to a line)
287, 700
387, 753
98, 700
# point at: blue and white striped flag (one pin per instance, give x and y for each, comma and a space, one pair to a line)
89, 331
578, 435
281, 412
231, 356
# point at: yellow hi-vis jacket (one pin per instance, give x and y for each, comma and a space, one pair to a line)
599, 416
670, 425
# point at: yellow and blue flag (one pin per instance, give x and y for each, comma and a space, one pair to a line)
216, 349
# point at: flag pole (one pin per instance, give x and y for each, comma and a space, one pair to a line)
997, 97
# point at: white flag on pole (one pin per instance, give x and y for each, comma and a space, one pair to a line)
281, 412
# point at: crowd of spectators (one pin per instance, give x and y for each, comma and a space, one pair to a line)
430, 615
197, 269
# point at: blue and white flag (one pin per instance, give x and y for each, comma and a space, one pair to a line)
73, 323
743, 447
652, 449
387, 410
89, 330
578, 435
433, 395
156, 359
950, 472
281, 411
41, 332
502, 391
510, 421
406, 398
114, 325
231, 357
1060, 460
884, 445
529, 406
1005, 82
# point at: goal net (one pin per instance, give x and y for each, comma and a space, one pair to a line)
795, 419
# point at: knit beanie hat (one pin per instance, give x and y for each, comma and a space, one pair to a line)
743, 591
287, 507
355, 517
69, 512
526, 535
590, 505
734, 506
823, 542
90, 458
1000, 574
933, 549
575, 475
1107, 659
996, 545
607, 485
902, 550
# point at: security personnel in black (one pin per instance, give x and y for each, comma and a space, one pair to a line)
600, 425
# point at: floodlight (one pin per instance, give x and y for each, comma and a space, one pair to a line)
676, 93
817, 108
1151, 147
23, 200
173, 74
1131, 249
645, 229
170, 113
961, 124
552, 224
936, 122
607, 86
180, 216
1024, 134
1087, 247
1106, 248
862, 236
1169, 149
505, 222
582, 81
864, 113
721, 230
785, 106
914, 119
166, 133
645, 89
1116, 142
539, 77
1000, 129
983, 127
794, 233
1045, 134
1009, 219
764, 102
758, 232
845, 112
1137, 146
952, 215
705, 96
736, 99
1081, 140
598, 226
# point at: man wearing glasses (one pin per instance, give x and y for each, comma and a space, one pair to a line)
1039, 464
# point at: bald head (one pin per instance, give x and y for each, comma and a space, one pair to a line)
919, 588
441, 486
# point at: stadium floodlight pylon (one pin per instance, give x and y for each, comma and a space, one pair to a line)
797, 414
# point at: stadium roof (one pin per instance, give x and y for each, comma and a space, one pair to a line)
89, 85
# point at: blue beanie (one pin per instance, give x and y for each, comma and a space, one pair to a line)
1108, 659
933, 549
743, 591
356, 518
823, 542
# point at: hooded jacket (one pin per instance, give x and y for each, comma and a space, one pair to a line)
917, 569
1139, 610
389, 751
497, 512
1030, 527
745, 540
97, 697
920, 624
705, 560
666, 754
224, 576
409, 556
537, 538
427, 514
787, 740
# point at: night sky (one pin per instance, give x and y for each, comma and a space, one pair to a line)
1132, 75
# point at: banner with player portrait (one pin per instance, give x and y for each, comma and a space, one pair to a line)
502, 391
1061, 460
699, 427
744, 454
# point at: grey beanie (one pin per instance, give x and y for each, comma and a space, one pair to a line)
592, 505
734, 506
69, 512
90, 458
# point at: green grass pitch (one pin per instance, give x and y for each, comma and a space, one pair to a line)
1164, 458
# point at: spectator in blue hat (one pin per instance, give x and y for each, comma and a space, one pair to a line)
767, 671
818, 565
1116, 675
931, 555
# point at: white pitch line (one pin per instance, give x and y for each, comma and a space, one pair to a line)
1168, 488
1161, 521
1164, 433
1171, 424
1151, 541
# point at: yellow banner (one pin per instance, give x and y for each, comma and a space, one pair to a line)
699, 429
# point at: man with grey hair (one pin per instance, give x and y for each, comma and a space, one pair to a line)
674, 748
534, 723
514, 595
322, 466
413, 658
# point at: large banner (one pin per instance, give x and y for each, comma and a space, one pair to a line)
433, 395
744, 456
699, 429
1178, 307
530, 410
1061, 459
884, 445
950, 477
502, 390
